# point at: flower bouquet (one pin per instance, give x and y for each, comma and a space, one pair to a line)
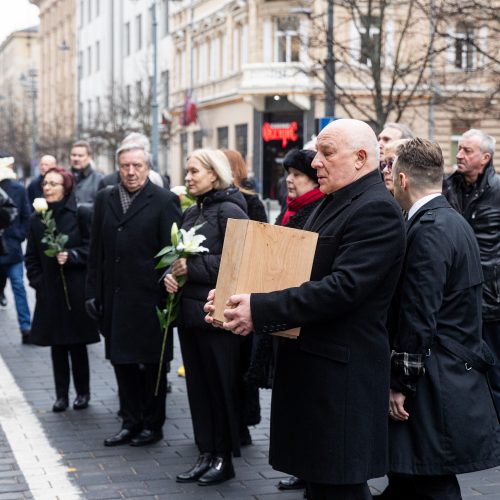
54, 241
185, 244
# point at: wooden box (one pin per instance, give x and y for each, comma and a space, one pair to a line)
259, 257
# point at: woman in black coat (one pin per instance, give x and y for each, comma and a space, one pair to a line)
67, 331
211, 356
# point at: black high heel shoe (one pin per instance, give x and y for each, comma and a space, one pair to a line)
221, 469
198, 469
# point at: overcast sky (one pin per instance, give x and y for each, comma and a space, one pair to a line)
16, 15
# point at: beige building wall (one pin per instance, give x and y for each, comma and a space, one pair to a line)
58, 75
228, 55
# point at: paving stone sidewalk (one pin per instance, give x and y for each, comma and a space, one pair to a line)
141, 473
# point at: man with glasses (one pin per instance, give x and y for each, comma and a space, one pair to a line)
131, 224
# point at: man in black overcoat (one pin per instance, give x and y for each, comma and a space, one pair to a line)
131, 224
329, 402
443, 420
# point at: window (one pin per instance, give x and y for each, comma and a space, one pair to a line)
184, 148
89, 60
241, 133
214, 58
198, 139
222, 138
128, 97
81, 13
287, 39
89, 113
138, 30
97, 109
465, 50
127, 39
164, 16
138, 93
97, 7
165, 88
89, 11
97, 56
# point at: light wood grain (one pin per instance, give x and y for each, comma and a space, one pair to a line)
259, 257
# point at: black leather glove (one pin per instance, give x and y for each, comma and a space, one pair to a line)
93, 308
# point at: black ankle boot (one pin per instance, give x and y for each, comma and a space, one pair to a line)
198, 469
221, 469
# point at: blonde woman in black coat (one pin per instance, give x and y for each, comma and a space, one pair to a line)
211, 355
66, 331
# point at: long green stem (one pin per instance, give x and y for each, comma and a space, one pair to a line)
170, 301
65, 286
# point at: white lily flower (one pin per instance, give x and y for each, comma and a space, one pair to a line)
179, 190
40, 205
191, 242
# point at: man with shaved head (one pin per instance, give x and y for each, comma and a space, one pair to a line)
329, 403
35, 186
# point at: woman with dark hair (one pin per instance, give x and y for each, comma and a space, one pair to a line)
60, 323
211, 355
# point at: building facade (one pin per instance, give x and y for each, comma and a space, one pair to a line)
57, 77
19, 70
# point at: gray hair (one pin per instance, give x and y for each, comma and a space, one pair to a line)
487, 141
137, 138
130, 146
406, 132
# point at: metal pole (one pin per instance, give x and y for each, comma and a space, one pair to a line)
330, 66
33, 126
154, 99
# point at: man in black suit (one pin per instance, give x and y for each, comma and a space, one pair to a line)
131, 224
329, 402
443, 420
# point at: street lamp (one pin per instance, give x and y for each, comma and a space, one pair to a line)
29, 82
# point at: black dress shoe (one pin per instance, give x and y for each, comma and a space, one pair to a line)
221, 469
81, 402
146, 437
122, 437
25, 336
291, 483
198, 469
61, 404
3, 300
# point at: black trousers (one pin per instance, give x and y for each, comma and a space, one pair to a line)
491, 335
61, 355
140, 408
317, 491
443, 487
3, 280
212, 362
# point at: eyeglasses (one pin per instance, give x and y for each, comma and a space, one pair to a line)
136, 167
51, 183
387, 164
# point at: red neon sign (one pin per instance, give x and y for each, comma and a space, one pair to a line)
283, 134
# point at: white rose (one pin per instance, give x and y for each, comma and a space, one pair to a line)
40, 205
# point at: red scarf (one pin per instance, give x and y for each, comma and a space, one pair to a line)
294, 205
